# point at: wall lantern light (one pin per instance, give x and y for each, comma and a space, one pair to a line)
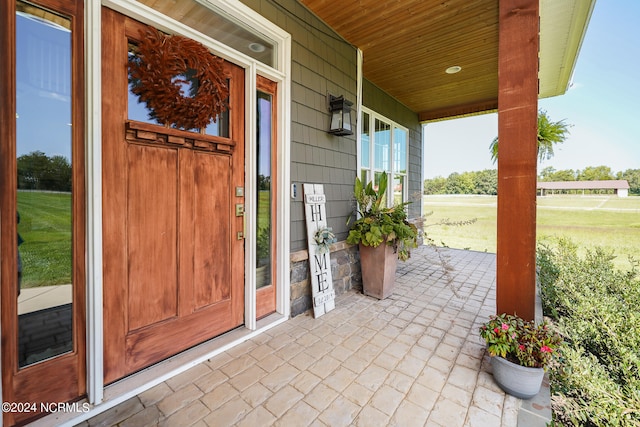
340, 115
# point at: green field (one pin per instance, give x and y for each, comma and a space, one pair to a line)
606, 221
45, 227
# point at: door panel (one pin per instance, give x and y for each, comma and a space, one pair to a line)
151, 234
211, 242
173, 266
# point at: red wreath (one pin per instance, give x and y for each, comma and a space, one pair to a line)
161, 66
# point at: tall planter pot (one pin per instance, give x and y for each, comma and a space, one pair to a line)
519, 381
378, 270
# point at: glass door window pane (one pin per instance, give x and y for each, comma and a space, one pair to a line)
137, 110
44, 162
264, 196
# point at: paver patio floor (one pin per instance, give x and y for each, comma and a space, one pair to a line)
413, 359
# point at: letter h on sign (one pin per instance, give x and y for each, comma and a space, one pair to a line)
316, 213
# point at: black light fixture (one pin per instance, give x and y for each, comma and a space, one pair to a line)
340, 115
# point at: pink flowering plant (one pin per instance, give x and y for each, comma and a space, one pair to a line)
521, 342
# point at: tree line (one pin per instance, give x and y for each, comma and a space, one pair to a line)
485, 182
37, 171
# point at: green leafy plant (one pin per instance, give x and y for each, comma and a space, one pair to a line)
597, 307
377, 223
521, 342
324, 237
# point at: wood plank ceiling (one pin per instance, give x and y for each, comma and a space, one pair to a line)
408, 44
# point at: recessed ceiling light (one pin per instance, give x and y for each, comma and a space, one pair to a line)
257, 47
454, 69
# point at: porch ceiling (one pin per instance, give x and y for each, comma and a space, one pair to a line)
408, 44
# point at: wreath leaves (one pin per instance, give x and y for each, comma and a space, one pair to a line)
163, 64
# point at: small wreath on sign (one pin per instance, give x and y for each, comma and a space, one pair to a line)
160, 69
324, 237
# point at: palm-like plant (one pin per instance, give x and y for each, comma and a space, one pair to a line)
549, 134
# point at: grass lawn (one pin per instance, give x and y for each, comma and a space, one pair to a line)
45, 226
607, 221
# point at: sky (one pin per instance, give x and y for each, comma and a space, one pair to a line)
602, 106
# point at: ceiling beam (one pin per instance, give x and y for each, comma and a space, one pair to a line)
457, 111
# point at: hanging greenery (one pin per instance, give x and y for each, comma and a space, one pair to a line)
163, 66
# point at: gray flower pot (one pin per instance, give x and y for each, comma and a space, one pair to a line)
518, 381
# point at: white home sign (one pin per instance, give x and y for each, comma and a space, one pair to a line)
319, 262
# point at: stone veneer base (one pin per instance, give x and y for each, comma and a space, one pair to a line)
345, 269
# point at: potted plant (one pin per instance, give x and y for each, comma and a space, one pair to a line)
383, 234
521, 351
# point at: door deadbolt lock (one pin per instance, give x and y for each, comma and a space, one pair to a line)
239, 209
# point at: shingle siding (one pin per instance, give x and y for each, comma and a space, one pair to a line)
322, 62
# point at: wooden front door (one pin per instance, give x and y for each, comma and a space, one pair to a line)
173, 240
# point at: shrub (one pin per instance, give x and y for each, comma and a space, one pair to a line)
598, 309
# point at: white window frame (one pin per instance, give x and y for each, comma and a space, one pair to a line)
371, 169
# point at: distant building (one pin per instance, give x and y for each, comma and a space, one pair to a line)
619, 186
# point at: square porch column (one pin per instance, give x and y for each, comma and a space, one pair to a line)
517, 157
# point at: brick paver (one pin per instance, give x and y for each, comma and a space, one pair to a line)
412, 359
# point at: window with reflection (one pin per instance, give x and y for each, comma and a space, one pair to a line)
384, 148
399, 164
382, 144
138, 110
44, 194
264, 200
365, 148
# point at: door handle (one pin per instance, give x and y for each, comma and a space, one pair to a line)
240, 235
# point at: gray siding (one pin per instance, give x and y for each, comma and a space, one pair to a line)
323, 62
